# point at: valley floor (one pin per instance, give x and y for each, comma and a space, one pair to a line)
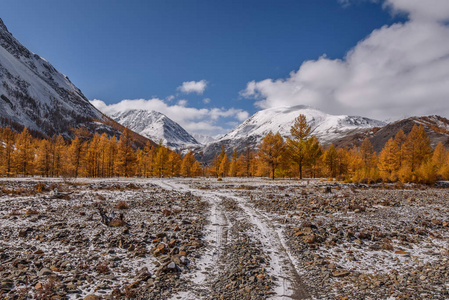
238, 238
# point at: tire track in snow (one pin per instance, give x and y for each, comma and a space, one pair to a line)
282, 263
215, 234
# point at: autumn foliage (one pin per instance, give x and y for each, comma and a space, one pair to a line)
405, 158
88, 155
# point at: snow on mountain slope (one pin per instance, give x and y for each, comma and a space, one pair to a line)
325, 127
34, 94
155, 126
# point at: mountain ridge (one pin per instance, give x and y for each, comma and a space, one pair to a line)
325, 127
36, 95
156, 126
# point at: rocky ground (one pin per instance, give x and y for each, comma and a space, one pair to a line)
230, 239
53, 243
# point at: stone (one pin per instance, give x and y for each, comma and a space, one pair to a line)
55, 269
173, 267
340, 273
92, 297
44, 272
143, 274
310, 239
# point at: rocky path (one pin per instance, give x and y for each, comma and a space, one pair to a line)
237, 231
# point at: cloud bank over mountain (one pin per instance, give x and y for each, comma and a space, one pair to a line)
396, 71
202, 121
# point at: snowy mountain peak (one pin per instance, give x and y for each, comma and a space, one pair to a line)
156, 126
325, 127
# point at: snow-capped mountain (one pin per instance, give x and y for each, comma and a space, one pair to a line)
156, 126
325, 127
34, 94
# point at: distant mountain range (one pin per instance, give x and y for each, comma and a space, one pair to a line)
327, 128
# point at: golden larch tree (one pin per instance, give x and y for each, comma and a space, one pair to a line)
24, 153
234, 167
126, 159
416, 148
390, 159
297, 146
224, 166
271, 150
330, 159
43, 159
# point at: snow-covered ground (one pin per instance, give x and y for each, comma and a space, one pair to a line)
236, 238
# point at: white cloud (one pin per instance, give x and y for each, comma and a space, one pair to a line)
242, 116
194, 120
206, 100
193, 87
398, 70
182, 102
430, 10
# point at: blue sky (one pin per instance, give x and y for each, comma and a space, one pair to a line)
116, 50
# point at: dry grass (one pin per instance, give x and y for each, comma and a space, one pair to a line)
122, 205
117, 223
31, 212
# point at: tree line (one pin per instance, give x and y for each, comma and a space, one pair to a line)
404, 158
89, 155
